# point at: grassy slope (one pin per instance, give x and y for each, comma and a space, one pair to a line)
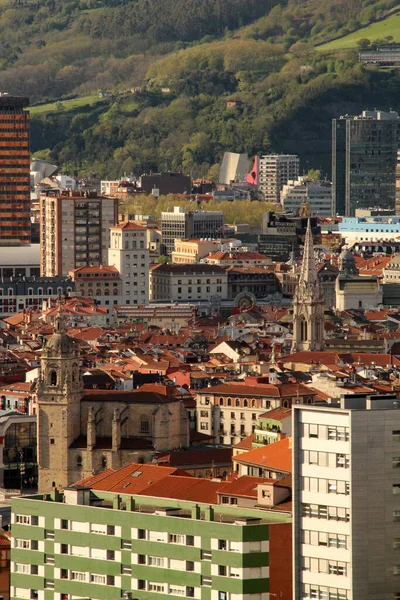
381, 29
67, 104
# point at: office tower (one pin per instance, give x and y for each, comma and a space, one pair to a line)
189, 225
364, 158
346, 510
128, 252
74, 230
15, 218
275, 170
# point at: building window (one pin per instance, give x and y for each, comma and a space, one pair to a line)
222, 570
189, 540
144, 425
206, 555
53, 378
222, 545
206, 581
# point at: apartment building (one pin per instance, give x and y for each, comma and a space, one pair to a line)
103, 283
21, 293
346, 530
275, 170
192, 282
317, 194
231, 411
74, 230
129, 254
189, 225
15, 188
88, 543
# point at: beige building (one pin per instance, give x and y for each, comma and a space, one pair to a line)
241, 258
74, 231
275, 170
230, 411
103, 283
81, 432
346, 512
391, 273
191, 251
130, 255
187, 282
353, 291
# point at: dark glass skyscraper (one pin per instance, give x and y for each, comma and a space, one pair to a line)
15, 218
364, 157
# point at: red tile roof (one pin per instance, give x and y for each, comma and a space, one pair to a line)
132, 479
128, 226
277, 456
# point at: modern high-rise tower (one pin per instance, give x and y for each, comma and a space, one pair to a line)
15, 219
364, 158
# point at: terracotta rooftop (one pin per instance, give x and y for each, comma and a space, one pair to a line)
133, 479
277, 456
129, 226
127, 396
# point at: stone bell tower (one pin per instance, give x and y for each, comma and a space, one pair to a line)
59, 393
308, 303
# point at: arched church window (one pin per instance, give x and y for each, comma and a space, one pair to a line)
79, 462
237, 402
53, 377
144, 424
104, 462
245, 403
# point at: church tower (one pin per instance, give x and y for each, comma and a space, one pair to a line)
59, 393
308, 303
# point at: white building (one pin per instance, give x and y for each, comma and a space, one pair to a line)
128, 252
318, 194
275, 170
188, 282
346, 510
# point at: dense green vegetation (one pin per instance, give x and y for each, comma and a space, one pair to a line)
171, 67
239, 211
388, 28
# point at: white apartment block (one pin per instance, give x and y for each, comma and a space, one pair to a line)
128, 252
275, 170
346, 509
318, 194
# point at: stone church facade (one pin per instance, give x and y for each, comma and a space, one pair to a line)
81, 432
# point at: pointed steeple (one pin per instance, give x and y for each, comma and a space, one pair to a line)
308, 285
308, 303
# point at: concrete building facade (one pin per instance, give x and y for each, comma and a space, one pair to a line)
189, 225
130, 255
317, 194
74, 231
192, 282
101, 545
275, 170
346, 518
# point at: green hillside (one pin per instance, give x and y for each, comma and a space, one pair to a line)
387, 28
171, 67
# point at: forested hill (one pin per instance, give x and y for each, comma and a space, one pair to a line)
167, 69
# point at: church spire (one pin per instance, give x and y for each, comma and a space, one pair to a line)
308, 303
308, 280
